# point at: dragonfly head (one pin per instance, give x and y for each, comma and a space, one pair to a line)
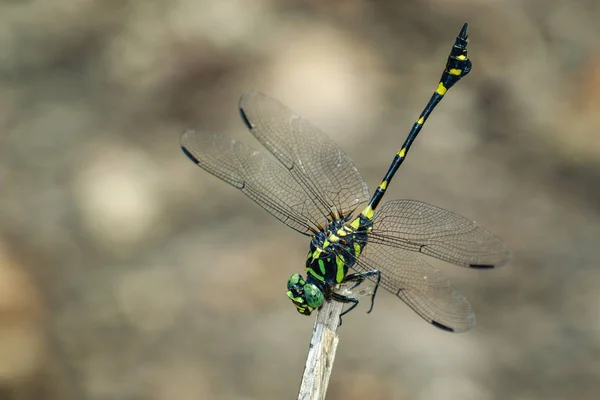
305, 296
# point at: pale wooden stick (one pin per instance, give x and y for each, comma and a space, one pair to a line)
323, 345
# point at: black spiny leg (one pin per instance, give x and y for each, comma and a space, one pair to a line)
360, 278
357, 278
345, 299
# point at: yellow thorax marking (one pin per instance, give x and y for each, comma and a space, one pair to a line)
342, 231
333, 239
313, 273
462, 57
339, 260
356, 249
456, 72
316, 253
441, 89
356, 223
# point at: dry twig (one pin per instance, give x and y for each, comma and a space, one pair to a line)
323, 345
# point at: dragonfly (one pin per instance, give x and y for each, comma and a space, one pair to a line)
313, 187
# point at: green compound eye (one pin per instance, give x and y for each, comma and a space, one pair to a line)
294, 280
314, 297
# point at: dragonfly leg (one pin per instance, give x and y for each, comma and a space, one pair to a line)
345, 299
359, 278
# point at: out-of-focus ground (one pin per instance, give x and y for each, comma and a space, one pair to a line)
128, 273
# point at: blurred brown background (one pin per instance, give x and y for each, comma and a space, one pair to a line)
128, 273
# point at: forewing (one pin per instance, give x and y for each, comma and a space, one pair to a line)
419, 285
260, 178
421, 227
315, 161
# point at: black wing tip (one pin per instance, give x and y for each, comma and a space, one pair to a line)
245, 118
505, 260
442, 327
482, 266
189, 155
452, 330
244, 99
182, 142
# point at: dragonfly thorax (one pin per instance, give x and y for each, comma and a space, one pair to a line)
332, 252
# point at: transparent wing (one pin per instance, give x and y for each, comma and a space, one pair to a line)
421, 227
260, 178
419, 285
315, 161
